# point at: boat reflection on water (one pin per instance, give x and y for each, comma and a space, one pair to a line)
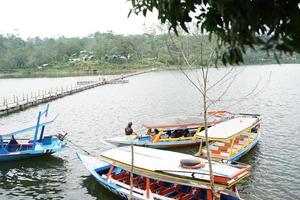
33, 178
251, 158
96, 190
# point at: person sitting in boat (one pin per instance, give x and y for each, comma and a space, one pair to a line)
186, 133
149, 131
177, 134
169, 133
12, 141
128, 129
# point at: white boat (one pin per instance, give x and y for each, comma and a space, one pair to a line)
233, 138
171, 131
159, 174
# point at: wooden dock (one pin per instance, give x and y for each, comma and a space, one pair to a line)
27, 101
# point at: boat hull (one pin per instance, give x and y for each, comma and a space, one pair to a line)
41, 149
145, 141
12, 157
244, 151
100, 171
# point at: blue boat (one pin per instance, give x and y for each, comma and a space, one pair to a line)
15, 149
163, 175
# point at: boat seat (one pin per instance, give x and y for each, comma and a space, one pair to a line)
167, 191
219, 144
223, 148
228, 143
186, 196
244, 134
215, 151
120, 175
154, 185
173, 194
125, 178
242, 142
200, 194
141, 182
158, 189
158, 186
239, 137
224, 153
214, 148
237, 146
184, 189
135, 179
47, 140
166, 184
12, 147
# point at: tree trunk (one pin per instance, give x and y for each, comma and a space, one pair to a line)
206, 134
131, 173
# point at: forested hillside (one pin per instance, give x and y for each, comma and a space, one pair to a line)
108, 52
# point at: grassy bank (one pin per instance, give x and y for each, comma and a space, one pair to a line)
84, 68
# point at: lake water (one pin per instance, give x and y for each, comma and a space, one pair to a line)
272, 91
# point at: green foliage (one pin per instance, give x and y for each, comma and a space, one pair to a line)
108, 53
238, 24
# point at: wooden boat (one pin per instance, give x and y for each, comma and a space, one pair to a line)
11, 149
233, 138
171, 132
159, 174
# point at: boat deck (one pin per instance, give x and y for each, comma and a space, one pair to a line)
160, 188
223, 150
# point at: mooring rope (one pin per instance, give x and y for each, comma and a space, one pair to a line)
76, 145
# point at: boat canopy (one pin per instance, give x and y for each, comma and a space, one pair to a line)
9, 131
168, 162
182, 122
229, 129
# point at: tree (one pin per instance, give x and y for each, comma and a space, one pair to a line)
272, 25
200, 81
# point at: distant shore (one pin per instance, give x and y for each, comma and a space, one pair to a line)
96, 71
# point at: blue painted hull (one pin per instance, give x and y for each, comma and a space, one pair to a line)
11, 157
41, 149
97, 167
145, 141
243, 152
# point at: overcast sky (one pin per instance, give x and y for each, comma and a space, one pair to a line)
53, 18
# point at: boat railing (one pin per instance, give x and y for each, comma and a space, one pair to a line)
139, 192
8, 139
179, 138
18, 146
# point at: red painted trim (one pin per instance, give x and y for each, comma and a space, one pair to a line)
110, 171
209, 195
219, 179
147, 188
234, 189
240, 172
192, 125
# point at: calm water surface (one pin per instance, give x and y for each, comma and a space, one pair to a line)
90, 116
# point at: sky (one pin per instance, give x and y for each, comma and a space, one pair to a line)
70, 18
